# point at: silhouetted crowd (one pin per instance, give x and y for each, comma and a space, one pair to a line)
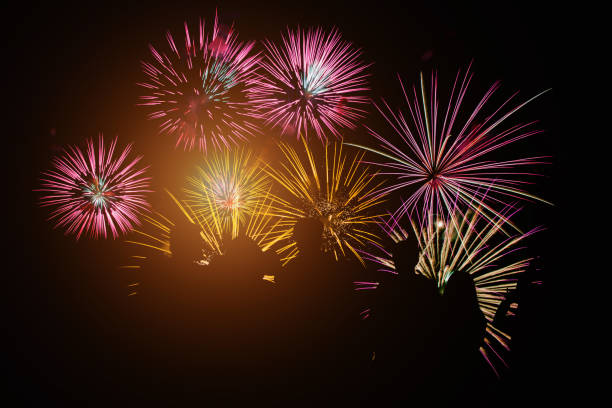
223, 335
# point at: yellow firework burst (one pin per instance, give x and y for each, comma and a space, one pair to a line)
338, 190
259, 223
229, 187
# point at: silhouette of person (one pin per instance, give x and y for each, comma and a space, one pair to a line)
307, 234
316, 314
170, 312
239, 321
464, 326
407, 320
506, 312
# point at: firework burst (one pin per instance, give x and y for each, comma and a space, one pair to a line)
471, 243
314, 82
442, 159
228, 187
202, 92
340, 195
259, 224
96, 191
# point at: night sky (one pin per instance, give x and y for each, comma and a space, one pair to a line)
76, 74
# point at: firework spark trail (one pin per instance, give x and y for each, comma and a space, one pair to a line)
470, 243
153, 239
442, 161
314, 82
229, 186
260, 226
95, 191
155, 234
202, 93
340, 195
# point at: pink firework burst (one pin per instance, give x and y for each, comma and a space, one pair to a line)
445, 162
95, 192
314, 82
202, 91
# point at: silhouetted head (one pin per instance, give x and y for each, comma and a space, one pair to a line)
460, 286
226, 240
406, 256
307, 234
185, 242
243, 257
272, 263
462, 304
242, 247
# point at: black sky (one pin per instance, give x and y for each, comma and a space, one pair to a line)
76, 69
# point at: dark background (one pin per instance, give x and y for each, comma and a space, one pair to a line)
76, 67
